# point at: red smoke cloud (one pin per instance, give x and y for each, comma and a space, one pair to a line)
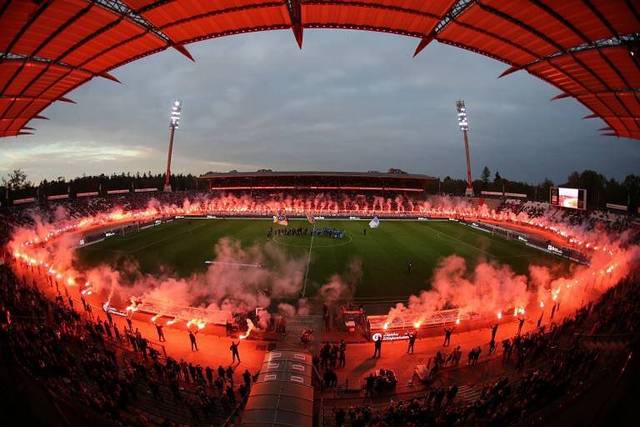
229, 286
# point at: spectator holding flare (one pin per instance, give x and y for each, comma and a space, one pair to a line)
235, 354
412, 342
159, 328
377, 347
192, 339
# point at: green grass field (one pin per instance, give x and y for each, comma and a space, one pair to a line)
184, 245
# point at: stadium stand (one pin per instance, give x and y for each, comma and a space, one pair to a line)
98, 374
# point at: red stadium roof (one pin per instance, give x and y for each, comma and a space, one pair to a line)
589, 49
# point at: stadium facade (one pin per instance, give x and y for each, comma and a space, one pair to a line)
320, 181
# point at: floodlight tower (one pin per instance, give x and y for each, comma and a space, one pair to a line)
464, 127
174, 123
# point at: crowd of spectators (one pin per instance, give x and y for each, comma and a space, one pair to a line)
587, 220
266, 202
541, 367
114, 375
119, 376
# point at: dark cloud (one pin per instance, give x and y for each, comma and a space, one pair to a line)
348, 101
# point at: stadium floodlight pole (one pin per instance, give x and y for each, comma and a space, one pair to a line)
174, 123
464, 127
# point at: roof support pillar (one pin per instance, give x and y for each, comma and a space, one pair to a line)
295, 14
424, 42
183, 50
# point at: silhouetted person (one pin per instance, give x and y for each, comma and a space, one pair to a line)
231, 395
507, 348
520, 324
326, 316
451, 394
234, 351
246, 376
412, 342
209, 374
341, 416
377, 347
553, 311
109, 316
194, 344
447, 337
540, 320
229, 373
107, 329
160, 333
494, 331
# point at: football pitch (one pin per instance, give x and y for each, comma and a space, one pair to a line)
182, 247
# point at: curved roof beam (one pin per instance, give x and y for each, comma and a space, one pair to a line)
456, 9
124, 10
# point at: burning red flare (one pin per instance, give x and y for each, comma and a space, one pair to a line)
250, 327
199, 323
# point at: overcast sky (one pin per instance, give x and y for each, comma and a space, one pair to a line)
349, 100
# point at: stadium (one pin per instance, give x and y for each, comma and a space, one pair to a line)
258, 298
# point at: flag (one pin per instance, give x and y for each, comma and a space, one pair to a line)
280, 219
310, 218
374, 223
